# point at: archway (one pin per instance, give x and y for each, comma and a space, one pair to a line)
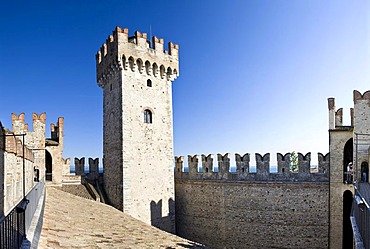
364, 172
347, 157
48, 166
347, 227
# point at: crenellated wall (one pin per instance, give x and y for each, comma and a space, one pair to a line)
55, 146
93, 173
136, 53
303, 174
34, 139
14, 158
253, 210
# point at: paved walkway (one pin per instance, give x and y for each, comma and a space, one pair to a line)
364, 189
74, 222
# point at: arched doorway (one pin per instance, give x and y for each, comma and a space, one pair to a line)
48, 166
347, 227
364, 172
347, 157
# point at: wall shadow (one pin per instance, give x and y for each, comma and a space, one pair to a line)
167, 222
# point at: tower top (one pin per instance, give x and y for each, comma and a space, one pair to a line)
123, 52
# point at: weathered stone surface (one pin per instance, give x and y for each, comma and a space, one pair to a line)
76, 189
226, 214
138, 155
74, 222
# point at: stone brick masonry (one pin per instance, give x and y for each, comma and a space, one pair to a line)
225, 214
74, 222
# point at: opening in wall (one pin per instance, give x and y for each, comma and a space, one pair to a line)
148, 116
149, 83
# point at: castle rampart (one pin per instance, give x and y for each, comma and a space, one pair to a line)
242, 173
245, 209
93, 168
14, 158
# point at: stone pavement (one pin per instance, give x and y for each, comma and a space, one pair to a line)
74, 222
76, 189
364, 189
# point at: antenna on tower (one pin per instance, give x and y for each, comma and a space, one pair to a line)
150, 34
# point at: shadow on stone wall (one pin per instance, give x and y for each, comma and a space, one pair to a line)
165, 223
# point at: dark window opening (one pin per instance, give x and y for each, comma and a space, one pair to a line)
347, 239
48, 166
149, 83
110, 87
36, 173
364, 172
148, 116
347, 161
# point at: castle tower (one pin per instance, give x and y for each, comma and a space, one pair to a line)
341, 153
136, 77
54, 152
348, 144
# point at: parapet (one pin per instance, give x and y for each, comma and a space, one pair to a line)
80, 166
20, 127
242, 168
358, 97
57, 130
136, 53
336, 116
93, 172
12, 144
360, 113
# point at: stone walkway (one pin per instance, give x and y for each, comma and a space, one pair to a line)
74, 222
364, 189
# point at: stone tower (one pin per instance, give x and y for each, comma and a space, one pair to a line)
347, 144
136, 77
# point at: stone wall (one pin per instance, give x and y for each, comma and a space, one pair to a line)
361, 128
253, 215
55, 146
14, 158
236, 211
34, 139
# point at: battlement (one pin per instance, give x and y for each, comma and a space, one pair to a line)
362, 115
360, 101
93, 172
20, 127
357, 96
336, 116
57, 130
137, 54
243, 173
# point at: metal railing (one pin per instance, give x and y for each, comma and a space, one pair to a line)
33, 196
361, 213
361, 154
12, 227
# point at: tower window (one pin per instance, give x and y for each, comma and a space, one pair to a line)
149, 83
148, 116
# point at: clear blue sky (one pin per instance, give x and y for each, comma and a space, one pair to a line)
254, 75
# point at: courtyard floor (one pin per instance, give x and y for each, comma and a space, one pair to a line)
74, 222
